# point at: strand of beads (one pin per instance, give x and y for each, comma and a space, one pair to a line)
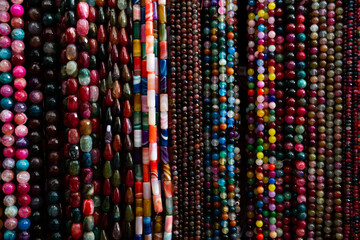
69, 73
321, 141
106, 41
35, 122
279, 113
348, 46
207, 70
145, 118
175, 116
85, 78
20, 118
312, 118
299, 163
137, 89
52, 119
289, 64
8, 128
164, 105
355, 232
250, 116
330, 103
338, 122
6, 116
92, 93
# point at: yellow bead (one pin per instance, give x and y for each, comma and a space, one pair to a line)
251, 16
261, 13
266, 90
261, 48
265, 159
259, 223
266, 179
266, 146
272, 139
260, 155
251, 127
260, 113
250, 174
272, 131
272, 187
260, 77
271, 6
250, 71
266, 119
222, 161
272, 76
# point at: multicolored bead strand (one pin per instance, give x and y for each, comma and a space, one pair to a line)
70, 85
34, 88
52, 89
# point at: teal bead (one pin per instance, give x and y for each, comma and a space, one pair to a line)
5, 53
86, 143
9, 235
6, 103
22, 165
49, 19
53, 210
301, 37
18, 34
53, 197
35, 110
5, 78
84, 77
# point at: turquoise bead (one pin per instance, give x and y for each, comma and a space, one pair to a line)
5, 78
22, 165
5, 53
6, 103
84, 76
86, 143
9, 235
18, 34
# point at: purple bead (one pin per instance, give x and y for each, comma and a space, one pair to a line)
22, 143
8, 163
34, 83
137, 155
145, 138
163, 85
155, 11
25, 235
20, 107
164, 154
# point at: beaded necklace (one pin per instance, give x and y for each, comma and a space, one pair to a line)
321, 141
69, 74
35, 122
279, 113
137, 89
207, 54
251, 115
52, 119
111, 176
338, 122
348, 46
312, 118
19, 150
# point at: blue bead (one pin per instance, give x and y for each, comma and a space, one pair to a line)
222, 147
6, 103
18, 34
231, 50
207, 58
272, 180
230, 64
143, 15
22, 165
231, 174
260, 62
136, 1
215, 114
261, 27
231, 121
147, 225
250, 78
272, 98
5, 78
144, 86
86, 159
24, 224
221, 182
215, 121
233, 229
163, 67
215, 156
164, 137
9, 235
5, 53
222, 140
259, 204
231, 168
222, 84
138, 237
157, 102
222, 92
136, 83
223, 119
231, 155
215, 135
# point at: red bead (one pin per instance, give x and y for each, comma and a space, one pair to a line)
76, 230
116, 197
72, 103
124, 55
74, 184
88, 207
84, 93
71, 86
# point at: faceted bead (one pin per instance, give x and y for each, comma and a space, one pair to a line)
129, 213
127, 91
124, 55
129, 182
116, 91
106, 204
116, 232
124, 39
116, 180
117, 144
116, 214
114, 36
107, 187
107, 171
101, 34
127, 111
116, 196
129, 196
127, 127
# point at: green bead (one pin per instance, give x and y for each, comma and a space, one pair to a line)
97, 201
122, 5
107, 171
122, 19
117, 161
105, 206
84, 77
127, 93
162, 32
129, 162
129, 213
88, 223
136, 30
266, 213
86, 143
116, 180
74, 168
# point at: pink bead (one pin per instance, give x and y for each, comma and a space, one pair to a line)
5, 41
20, 96
21, 131
5, 66
6, 91
25, 212
20, 118
7, 175
19, 72
36, 96
9, 152
82, 27
10, 223
82, 10
23, 177
300, 164
17, 1
20, 83
7, 128
8, 188
4, 5
18, 46
4, 16
6, 116
94, 93
22, 153
5, 29
23, 188
17, 10
8, 140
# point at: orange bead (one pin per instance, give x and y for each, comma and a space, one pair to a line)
230, 71
222, 168
222, 99
232, 223
223, 126
152, 133
260, 189
224, 216
230, 35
